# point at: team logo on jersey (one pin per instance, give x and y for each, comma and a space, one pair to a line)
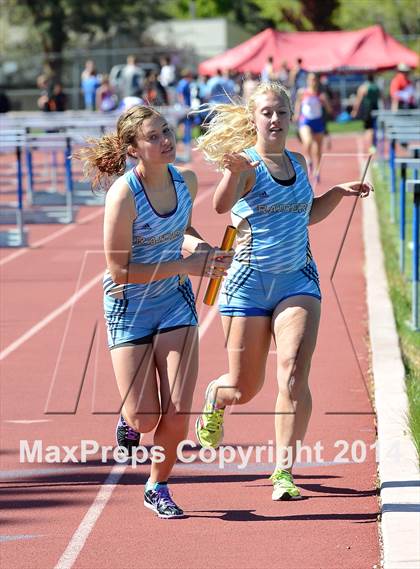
284, 208
171, 236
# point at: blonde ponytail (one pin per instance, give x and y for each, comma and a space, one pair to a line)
232, 127
230, 130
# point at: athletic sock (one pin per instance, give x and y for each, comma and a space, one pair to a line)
154, 485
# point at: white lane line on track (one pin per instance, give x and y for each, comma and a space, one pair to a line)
81, 534
210, 316
25, 473
27, 421
4, 538
50, 317
251, 468
51, 237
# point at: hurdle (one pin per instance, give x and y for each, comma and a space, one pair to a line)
397, 121
415, 153
58, 208
401, 136
405, 164
385, 118
61, 132
415, 185
13, 141
76, 193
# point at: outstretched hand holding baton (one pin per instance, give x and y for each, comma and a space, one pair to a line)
214, 284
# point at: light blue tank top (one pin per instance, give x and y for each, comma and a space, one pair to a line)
155, 238
272, 221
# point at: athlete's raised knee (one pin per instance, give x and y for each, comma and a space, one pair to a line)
143, 422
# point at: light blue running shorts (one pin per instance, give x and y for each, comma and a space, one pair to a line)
136, 320
247, 292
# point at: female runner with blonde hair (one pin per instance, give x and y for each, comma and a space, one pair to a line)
148, 299
272, 287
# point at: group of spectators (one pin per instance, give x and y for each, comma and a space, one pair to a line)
132, 83
157, 85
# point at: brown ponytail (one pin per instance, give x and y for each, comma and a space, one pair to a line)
105, 157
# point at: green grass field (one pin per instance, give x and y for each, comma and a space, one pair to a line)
333, 128
400, 292
345, 127
338, 128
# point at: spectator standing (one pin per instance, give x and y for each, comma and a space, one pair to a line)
201, 83
106, 99
58, 100
367, 100
283, 74
153, 91
198, 100
87, 71
90, 83
183, 92
402, 90
297, 78
183, 88
167, 73
131, 79
249, 85
44, 99
220, 88
268, 73
324, 87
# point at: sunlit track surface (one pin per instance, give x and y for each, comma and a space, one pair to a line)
66, 515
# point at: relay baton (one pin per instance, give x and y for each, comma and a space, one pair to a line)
214, 284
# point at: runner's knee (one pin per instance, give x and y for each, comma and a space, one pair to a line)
141, 421
244, 390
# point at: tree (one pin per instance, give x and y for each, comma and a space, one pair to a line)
55, 21
300, 15
281, 14
256, 15
397, 17
320, 14
247, 13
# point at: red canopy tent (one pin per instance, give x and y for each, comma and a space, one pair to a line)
370, 49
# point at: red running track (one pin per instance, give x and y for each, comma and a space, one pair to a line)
91, 515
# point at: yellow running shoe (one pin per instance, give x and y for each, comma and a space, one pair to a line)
209, 425
284, 487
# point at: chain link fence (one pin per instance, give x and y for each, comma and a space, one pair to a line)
18, 74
